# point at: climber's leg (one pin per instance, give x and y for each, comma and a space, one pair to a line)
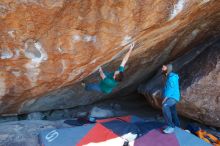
176, 120
167, 111
93, 87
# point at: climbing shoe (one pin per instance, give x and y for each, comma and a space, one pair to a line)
168, 130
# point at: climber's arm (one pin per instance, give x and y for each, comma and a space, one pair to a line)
125, 59
103, 76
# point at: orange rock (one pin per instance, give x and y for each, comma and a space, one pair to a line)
48, 45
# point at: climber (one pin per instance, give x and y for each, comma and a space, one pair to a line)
109, 80
171, 95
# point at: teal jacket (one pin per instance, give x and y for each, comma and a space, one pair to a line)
171, 88
109, 83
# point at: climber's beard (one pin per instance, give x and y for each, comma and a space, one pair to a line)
164, 72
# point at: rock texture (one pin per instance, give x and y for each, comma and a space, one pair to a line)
200, 84
48, 46
25, 133
201, 87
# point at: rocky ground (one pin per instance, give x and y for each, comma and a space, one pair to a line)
25, 131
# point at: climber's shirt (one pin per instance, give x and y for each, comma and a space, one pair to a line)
109, 83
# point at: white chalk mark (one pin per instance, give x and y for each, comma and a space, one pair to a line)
204, 1
63, 62
178, 7
32, 72
76, 38
93, 61
190, 37
195, 33
60, 49
204, 25
85, 38
127, 39
75, 73
11, 33
6, 53
94, 39
89, 38
17, 53
33, 65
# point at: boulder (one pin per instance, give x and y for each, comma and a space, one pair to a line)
35, 116
199, 84
47, 47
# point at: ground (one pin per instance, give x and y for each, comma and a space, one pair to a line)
25, 132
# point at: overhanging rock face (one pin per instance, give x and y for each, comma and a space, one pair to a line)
48, 47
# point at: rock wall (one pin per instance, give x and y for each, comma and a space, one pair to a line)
199, 83
201, 87
47, 47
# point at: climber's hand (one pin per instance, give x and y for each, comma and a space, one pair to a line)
100, 69
101, 73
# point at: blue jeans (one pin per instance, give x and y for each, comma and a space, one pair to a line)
93, 87
169, 113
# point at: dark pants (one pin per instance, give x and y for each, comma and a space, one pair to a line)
93, 87
169, 113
